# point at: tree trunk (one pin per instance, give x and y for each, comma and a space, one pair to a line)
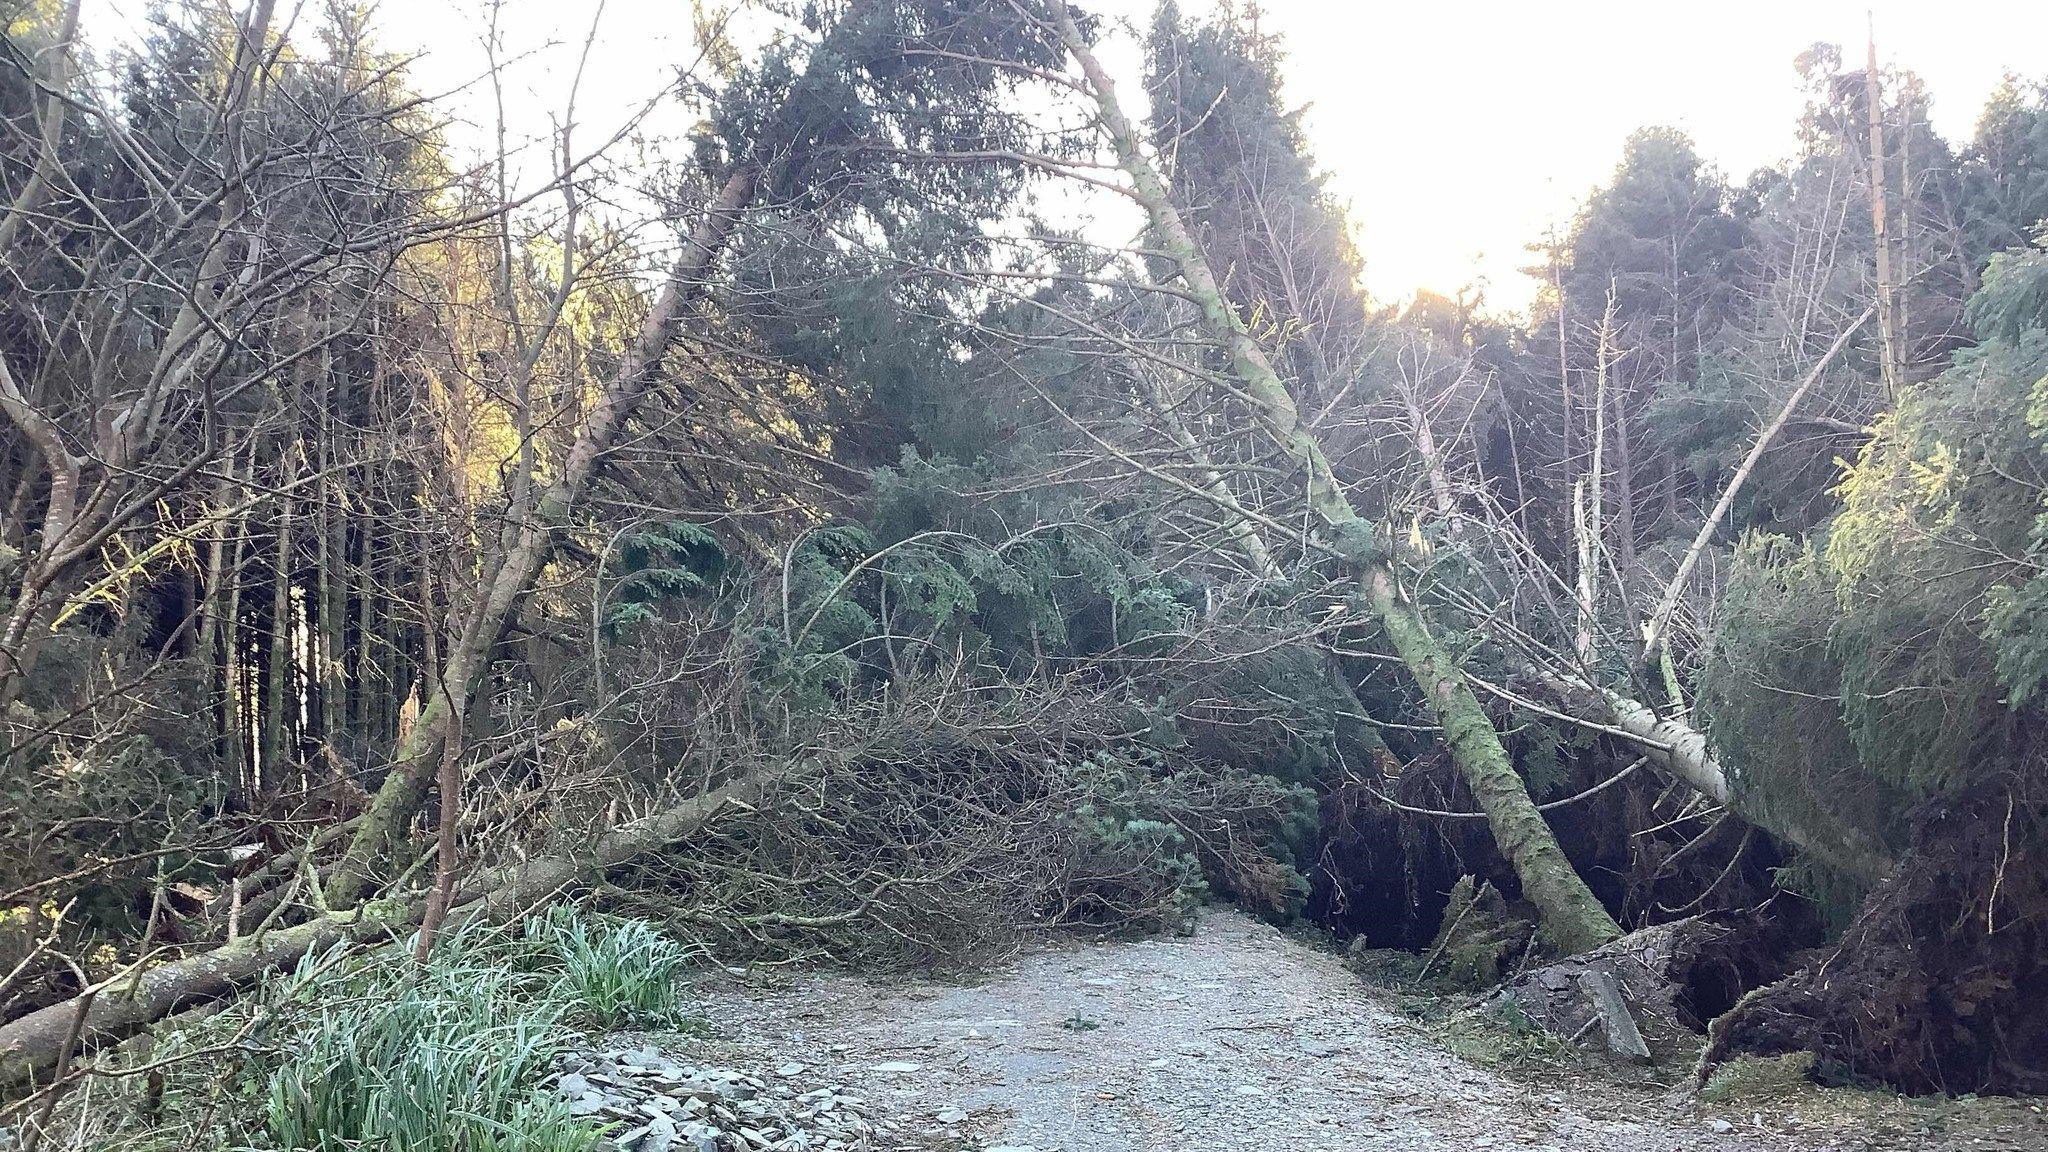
1624, 515
233, 701
1684, 755
1880, 226
331, 597
33, 1043
1572, 919
278, 696
477, 633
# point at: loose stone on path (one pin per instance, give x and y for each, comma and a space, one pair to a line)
659, 1104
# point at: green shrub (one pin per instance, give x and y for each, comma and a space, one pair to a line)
1124, 866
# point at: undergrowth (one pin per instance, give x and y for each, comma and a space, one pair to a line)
373, 1051
1498, 1035
1494, 1033
1759, 1079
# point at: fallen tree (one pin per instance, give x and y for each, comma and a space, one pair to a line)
1572, 919
937, 826
799, 150
475, 630
1684, 756
1960, 1009
44, 1039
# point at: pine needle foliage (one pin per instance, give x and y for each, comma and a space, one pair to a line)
1899, 658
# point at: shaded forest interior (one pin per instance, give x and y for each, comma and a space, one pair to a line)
953, 494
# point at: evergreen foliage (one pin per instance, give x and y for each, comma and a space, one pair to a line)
1010, 573
1897, 661
1236, 154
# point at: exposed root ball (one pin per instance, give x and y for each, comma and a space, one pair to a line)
1941, 985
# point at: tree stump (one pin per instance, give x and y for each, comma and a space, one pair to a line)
1649, 995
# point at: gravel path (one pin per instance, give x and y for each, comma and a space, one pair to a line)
1236, 1037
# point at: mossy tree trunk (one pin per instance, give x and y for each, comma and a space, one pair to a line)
476, 632
1572, 919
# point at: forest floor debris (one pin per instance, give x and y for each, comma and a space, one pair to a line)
1240, 1037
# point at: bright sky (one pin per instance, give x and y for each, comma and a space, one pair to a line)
1458, 131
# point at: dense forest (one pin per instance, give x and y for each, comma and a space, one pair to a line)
958, 495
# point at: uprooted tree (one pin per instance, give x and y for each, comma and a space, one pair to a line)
830, 535
1571, 917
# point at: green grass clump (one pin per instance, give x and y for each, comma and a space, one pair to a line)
354, 1050
616, 972
444, 1058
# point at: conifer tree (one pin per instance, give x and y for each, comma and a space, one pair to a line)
1571, 917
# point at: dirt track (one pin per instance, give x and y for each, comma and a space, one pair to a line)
1240, 1038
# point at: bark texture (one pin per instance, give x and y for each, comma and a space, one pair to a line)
34, 1043
1572, 919
478, 631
